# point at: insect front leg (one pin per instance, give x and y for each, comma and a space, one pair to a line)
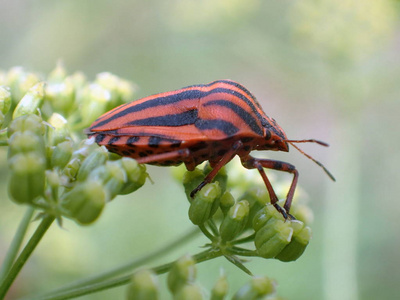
259, 164
227, 157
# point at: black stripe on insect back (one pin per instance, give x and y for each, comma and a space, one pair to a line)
243, 114
226, 127
160, 101
185, 118
237, 85
175, 99
241, 87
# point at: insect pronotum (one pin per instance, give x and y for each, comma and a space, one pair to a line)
206, 122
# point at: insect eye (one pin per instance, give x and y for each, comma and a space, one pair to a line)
268, 135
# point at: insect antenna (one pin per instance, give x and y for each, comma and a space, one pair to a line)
291, 142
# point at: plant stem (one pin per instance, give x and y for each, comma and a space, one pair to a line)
25, 254
243, 252
131, 265
16, 243
206, 232
246, 239
213, 227
96, 287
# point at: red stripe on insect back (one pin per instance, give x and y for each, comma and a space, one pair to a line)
208, 122
127, 105
172, 102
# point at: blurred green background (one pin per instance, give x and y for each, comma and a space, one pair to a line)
323, 69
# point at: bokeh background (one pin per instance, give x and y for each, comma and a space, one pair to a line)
323, 69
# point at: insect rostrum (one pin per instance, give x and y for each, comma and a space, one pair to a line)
206, 122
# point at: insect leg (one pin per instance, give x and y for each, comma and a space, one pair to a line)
255, 163
181, 153
224, 160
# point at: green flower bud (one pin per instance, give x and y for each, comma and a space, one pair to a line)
2, 119
94, 103
302, 213
31, 123
72, 168
54, 181
85, 201
242, 180
257, 198
220, 289
226, 202
126, 90
297, 245
62, 154
271, 239
61, 96
5, 99
53, 178
191, 179
110, 82
182, 272
32, 100
23, 142
257, 288
205, 203
264, 215
20, 82
60, 132
78, 79
144, 286
27, 177
189, 291
136, 175
178, 172
58, 74
112, 176
95, 159
235, 221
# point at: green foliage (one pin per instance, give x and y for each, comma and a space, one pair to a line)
56, 171
46, 148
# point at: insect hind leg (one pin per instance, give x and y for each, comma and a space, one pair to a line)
180, 154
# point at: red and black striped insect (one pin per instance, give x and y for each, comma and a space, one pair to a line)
211, 122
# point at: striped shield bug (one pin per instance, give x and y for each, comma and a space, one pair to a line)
211, 122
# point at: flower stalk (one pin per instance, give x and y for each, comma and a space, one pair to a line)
25, 254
